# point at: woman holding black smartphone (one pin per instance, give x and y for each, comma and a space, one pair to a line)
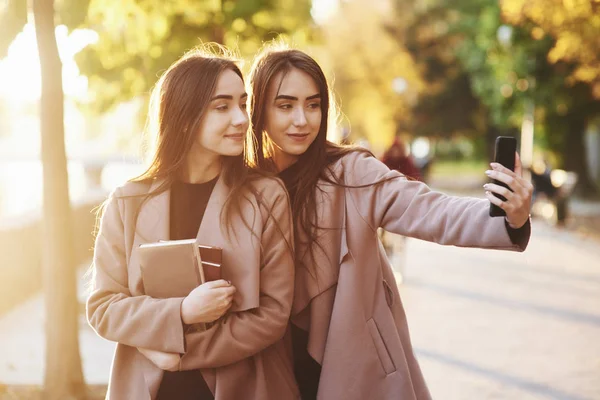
349, 331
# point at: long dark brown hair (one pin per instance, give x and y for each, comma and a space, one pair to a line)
178, 104
314, 164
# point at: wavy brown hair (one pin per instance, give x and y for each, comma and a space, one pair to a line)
314, 164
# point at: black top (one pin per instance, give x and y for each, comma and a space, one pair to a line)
306, 368
188, 203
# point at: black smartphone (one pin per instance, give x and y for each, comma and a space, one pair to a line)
504, 154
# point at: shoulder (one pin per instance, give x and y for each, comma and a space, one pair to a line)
269, 189
130, 191
132, 188
359, 167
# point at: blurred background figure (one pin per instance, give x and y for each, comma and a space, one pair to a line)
397, 158
552, 190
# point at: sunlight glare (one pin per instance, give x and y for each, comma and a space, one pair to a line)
20, 81
322, 10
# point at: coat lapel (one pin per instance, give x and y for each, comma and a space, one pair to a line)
241, 251
314, 277
152, 225
241, 260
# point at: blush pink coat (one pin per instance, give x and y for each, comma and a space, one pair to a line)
241, 357
347, 298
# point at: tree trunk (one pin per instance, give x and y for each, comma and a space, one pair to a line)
575, 157
63, 373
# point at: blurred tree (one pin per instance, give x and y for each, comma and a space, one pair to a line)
375, 77
63, 373
138, 39
509, 70
13, 17
575, 26
447, 107
568, 72
493, 72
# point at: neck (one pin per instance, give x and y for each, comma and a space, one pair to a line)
201, 167
283, 160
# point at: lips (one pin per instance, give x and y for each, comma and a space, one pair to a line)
298, 136
235, 136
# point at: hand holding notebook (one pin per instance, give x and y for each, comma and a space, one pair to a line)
178, 268
173, 268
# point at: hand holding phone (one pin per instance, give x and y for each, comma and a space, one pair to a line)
505, 149
509, 194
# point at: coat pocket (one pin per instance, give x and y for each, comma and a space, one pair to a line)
384, 356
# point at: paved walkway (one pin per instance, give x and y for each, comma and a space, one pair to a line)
485, 324
500, 325
22, 346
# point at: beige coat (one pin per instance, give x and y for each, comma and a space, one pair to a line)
349, 301
243, 356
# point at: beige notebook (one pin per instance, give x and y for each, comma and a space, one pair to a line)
173, 268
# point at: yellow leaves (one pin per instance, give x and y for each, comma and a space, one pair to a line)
212, 5
586, 73
155, 51
537, 33
262, 19
238, 25
366, 61
513, 10
574, 25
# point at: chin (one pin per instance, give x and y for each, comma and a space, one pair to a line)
296, 150
232, 152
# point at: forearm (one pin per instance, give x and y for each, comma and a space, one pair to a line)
236, 336
139, 321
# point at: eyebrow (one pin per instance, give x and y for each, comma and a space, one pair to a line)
286, 97
226, 97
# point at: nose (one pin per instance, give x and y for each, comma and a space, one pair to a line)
240, 117
299, 117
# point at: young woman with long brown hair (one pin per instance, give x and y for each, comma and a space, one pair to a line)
349, 330
198, 186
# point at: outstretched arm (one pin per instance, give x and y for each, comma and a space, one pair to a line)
411, 208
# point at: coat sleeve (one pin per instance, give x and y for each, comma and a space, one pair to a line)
243, 334
389, 200
116, 315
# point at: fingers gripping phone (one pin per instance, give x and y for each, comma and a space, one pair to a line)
504, 154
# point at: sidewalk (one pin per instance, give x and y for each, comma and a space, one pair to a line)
22, 345
500, 325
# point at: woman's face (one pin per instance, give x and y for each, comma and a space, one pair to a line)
293, 115
225, 123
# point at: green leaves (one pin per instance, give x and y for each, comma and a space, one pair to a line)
138, 39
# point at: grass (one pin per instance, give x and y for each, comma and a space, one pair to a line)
465, 168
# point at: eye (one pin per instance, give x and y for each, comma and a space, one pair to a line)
285, 106
222, 107
244, 106
314, 105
